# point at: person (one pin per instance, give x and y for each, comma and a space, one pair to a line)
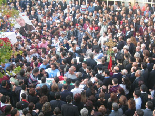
15, 112
42, 101
148, 110
33, 77
43, 82
25, 28
107, 80
69, 109
76, 89
139, 112
77, 102
137, 99
131, 107
114, 87
84, 112
46, 109
115, 110
23, 101
52, 72
65, 92
57, 103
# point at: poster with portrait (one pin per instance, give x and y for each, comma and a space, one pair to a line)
24, 24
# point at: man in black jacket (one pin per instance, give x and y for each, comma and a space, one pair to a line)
24, 102
56, 103
65, 92
6, 92
69, 109
107, 79
137, 81
151, 79
91, 62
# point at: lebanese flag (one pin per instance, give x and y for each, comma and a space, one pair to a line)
110, 64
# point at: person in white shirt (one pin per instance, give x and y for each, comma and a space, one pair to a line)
137, 99
24, 90
103, 39
76, 89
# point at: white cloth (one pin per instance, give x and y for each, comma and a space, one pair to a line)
76, 90
23, 91
124, 87
102, 40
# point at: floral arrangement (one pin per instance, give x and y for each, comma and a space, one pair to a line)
10, 13
5, 50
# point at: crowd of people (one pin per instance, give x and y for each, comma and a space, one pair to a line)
65, 60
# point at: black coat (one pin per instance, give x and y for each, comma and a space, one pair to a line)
120, 45
69, 110
128, 67
135, 84
107, 81
64, 94
119, 77
91, 62
151, 79
132, 77
33, 99
130, 112
144, 98
79, 105
56, 103
145, 75
150, 67
132, 49
24, 104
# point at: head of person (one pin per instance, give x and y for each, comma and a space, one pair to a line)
115, 106
137, 93
46, 107
57, 111
68, 99
77, 83
20, 21
8, 109
114, 81
131, 104
138, 73
53, 66
54, 87
71, 71
123, 100
77, 97
139, 112
84, 112
15, 112
35, 72
43, 99
149, 105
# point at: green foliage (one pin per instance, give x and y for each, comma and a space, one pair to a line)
5, 52
15, 71
110, 53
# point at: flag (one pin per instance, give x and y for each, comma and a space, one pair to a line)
110, 64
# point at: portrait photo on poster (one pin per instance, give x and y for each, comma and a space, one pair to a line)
24, 24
